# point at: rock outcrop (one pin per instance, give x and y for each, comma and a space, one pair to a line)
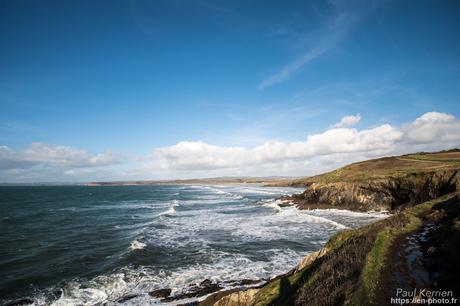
238, 298
381, 194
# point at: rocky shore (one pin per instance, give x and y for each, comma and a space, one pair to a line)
393, 193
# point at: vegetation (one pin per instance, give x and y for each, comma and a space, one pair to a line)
386, 167
377, 258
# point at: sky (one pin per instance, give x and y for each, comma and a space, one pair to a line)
124, 90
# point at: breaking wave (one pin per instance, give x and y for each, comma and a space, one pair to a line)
171, 210
136, 245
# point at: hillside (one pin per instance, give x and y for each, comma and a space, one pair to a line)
383, 168
281, 181
382, 184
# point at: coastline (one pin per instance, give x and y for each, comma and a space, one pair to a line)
424, 217
367, 247
422, 193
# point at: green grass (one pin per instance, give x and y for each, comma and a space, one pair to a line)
282, 290
377, 258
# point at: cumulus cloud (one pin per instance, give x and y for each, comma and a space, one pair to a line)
433, 126
195, 155
348, 121
41, 154
339, 145
431, 131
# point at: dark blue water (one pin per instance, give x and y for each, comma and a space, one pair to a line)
70, 245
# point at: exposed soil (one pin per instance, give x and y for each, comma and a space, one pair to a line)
425, 259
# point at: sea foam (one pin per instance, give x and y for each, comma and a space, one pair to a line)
171, 210
136, 245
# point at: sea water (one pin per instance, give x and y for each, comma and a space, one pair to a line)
73, 245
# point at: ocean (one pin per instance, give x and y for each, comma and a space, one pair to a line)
88, 245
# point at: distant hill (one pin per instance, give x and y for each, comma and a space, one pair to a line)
204, 181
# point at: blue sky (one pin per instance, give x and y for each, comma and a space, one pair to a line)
162, 89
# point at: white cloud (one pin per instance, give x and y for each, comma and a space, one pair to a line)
316, 153
9, 159
285, 73
41, 154
197, 155
431, 131
433, 126
348, 121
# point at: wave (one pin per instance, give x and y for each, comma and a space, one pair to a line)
136, 245
316, 219
307, 217
221, 192
171, 210
274, 205
342, 212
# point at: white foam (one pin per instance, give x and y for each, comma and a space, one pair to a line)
349, 218
256, 225
171, 210
375, 214
315, 219
274, 205
136, 245
82, 296
225, 268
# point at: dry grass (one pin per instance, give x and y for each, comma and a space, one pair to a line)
386, 167
339, 272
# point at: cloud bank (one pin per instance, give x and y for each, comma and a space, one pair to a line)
54, 156
431, 131
339, 145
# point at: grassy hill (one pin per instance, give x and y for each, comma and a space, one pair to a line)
386, 167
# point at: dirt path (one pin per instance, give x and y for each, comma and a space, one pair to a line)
426, 258
406, 269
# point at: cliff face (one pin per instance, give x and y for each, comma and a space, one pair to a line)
382, 194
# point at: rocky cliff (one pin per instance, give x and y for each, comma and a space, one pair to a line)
382, 184
382, 194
